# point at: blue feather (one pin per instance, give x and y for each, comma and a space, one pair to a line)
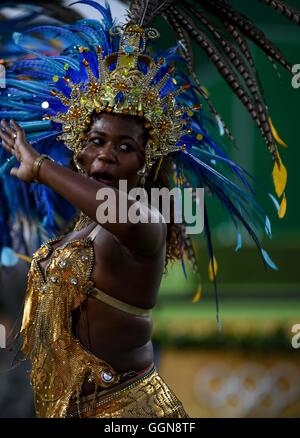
268, 260
275, 202
183, 266
8, 257
105, 12
211, 255
268, 227
239, 241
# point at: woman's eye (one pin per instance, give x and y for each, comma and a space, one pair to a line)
126, 147
96, 140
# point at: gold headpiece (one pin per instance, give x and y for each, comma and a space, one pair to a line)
125, 89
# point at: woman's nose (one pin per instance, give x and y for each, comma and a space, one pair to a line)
107, 153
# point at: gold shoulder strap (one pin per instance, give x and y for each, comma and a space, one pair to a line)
94, 232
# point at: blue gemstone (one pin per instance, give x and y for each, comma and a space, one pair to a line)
129, 49
119, 97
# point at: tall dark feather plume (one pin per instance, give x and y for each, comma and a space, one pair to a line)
185, 40
284, 9
244, 48
224, 11
144, 12
243, 45
223, 66
242, 68
225, 43
187, 53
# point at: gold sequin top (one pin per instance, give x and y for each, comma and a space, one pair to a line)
60, 364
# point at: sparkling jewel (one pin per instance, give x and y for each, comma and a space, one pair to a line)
129, 49
53, 279
43, 289
106, 376
74, 281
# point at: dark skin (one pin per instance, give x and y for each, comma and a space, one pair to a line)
129, 258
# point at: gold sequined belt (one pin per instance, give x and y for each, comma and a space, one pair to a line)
85, 402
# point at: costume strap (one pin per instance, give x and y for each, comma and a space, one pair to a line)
120, 305
94, 232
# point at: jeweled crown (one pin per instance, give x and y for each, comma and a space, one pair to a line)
124, 84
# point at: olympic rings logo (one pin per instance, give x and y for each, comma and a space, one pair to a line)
249, 390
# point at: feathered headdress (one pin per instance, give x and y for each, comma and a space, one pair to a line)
53, 97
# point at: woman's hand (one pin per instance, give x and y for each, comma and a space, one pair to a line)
14, 141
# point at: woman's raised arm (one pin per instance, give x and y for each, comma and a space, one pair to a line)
145, 237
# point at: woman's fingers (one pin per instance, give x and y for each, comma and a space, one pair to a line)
9, 130
6, 147
14, 171
19, 133
7, 139
12, 137
12, 151
7, 134
17, 127
9, 149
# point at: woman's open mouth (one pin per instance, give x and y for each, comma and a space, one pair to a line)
105, 178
